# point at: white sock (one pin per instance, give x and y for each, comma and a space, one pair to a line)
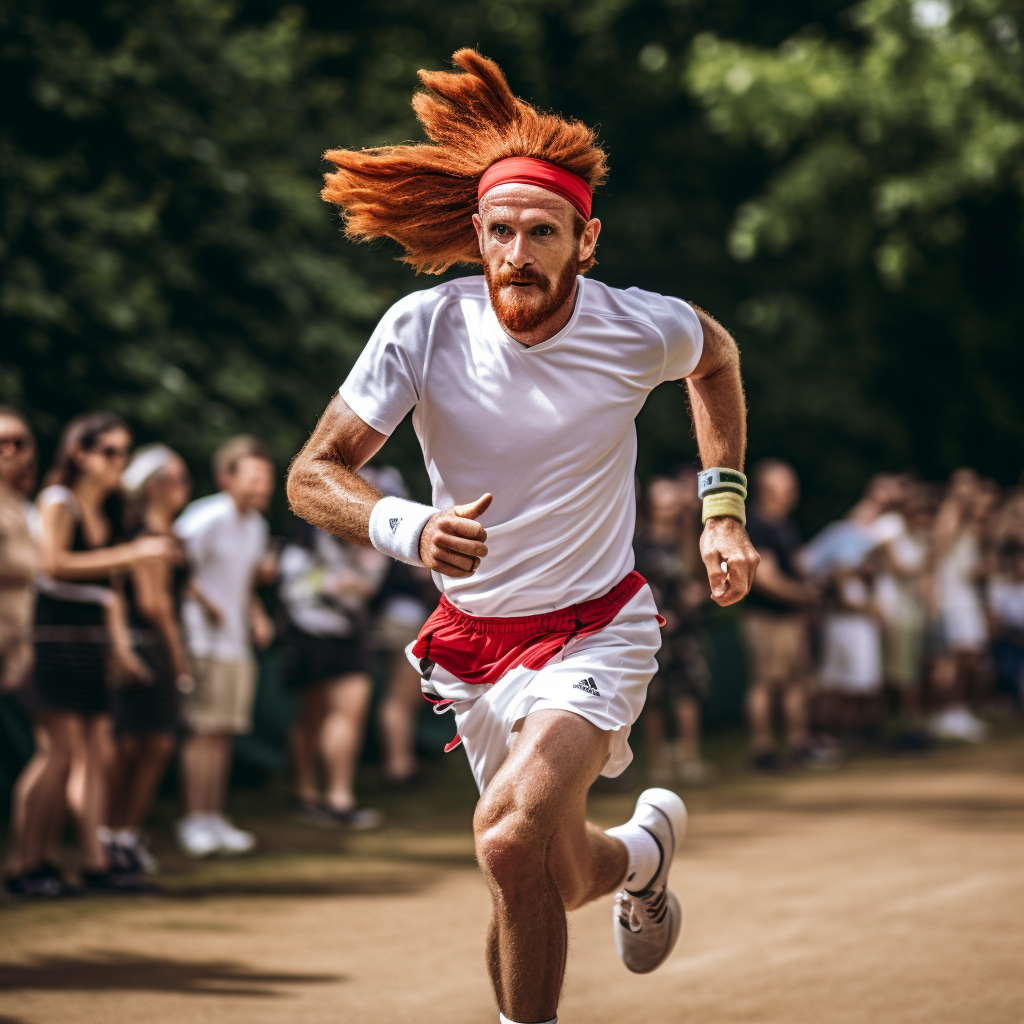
504, 1020
644, 855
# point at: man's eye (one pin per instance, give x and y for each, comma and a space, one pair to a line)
500, 229
543, 229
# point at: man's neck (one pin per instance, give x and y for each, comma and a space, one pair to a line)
241, 506
550, 327
772, 515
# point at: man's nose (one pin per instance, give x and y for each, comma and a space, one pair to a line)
519, 255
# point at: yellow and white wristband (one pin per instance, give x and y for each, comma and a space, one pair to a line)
723, 492
396, 525
724, 503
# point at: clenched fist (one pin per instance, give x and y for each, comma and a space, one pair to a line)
452, 542
730, 559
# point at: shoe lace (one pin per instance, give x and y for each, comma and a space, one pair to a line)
633, 907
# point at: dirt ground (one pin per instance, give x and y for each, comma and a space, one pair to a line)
892, 891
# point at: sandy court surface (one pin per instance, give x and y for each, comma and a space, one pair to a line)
885, 893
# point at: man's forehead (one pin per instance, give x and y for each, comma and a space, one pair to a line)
518, 199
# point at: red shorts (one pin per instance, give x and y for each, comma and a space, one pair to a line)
480, 650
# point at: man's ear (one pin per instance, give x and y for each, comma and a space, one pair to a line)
478, 225
588, 240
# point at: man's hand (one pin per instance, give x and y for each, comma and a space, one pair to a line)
452, 543
725, 541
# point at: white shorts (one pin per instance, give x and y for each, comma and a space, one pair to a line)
602, 678
852, 661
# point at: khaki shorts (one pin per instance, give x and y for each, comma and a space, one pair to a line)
778, 647
223, 698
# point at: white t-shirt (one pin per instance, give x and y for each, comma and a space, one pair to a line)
223, 549
1006, 599
547, 429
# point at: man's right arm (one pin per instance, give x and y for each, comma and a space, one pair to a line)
325, 488
324, 485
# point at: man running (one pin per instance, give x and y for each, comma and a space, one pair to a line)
524, 385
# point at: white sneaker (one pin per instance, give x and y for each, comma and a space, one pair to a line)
231, 840
957, 723
196, 835
647, 922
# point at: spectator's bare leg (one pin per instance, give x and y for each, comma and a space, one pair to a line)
398, 713
305, 743
759, 716
40, 789
341, 738
99, 759
205, 761
688, 723
140, 788
795, 705
655, 736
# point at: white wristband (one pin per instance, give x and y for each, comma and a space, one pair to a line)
395, 528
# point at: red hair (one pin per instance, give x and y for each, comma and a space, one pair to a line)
423, 195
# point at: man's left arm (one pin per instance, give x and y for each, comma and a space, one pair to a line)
720, 421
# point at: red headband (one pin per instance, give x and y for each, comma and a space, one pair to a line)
527, 170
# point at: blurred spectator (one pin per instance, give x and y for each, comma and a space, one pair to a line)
78, 625
146, 715
957, 601
1006, 614
776, 622
403, 605
668, 555
326, 586
902, 562
19, 551
225, 540
19, 563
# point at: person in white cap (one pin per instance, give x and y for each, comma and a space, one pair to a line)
524, 384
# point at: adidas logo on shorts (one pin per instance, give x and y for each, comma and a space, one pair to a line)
587, 686
393, 523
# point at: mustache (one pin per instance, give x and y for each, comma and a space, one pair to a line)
525, 275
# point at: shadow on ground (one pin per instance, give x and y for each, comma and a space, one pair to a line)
106, 972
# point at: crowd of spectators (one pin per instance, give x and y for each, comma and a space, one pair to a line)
894, 625
129, 616
128, 621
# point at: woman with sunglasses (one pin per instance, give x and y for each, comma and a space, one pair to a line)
146, 715
81, 643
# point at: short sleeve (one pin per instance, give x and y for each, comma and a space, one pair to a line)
386, 381
683, 334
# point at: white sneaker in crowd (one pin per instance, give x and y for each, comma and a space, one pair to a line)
135, 848
647, 921
197, 836
232, 840
958, 723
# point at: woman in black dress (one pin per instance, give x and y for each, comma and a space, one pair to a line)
81, 640
146, 714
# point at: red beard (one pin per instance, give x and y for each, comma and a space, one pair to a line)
515, 312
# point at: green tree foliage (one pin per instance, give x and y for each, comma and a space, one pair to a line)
164, 250
886, 240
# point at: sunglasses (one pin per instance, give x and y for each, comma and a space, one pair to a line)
20, 442
110, 453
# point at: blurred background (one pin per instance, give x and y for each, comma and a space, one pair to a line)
841, 185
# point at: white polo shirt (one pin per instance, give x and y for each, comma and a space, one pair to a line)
547, 429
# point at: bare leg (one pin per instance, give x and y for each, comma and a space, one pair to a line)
653, 719
541, 857
99, 760
205, 763
398, 712
341, 737
140, 786
795, 705
688, 721
41, 786
304, 740
759, 716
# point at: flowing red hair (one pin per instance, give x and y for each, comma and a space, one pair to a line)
423, 195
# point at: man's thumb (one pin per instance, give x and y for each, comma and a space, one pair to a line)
474, 509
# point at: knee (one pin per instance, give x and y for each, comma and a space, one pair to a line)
160, 746
510, 848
